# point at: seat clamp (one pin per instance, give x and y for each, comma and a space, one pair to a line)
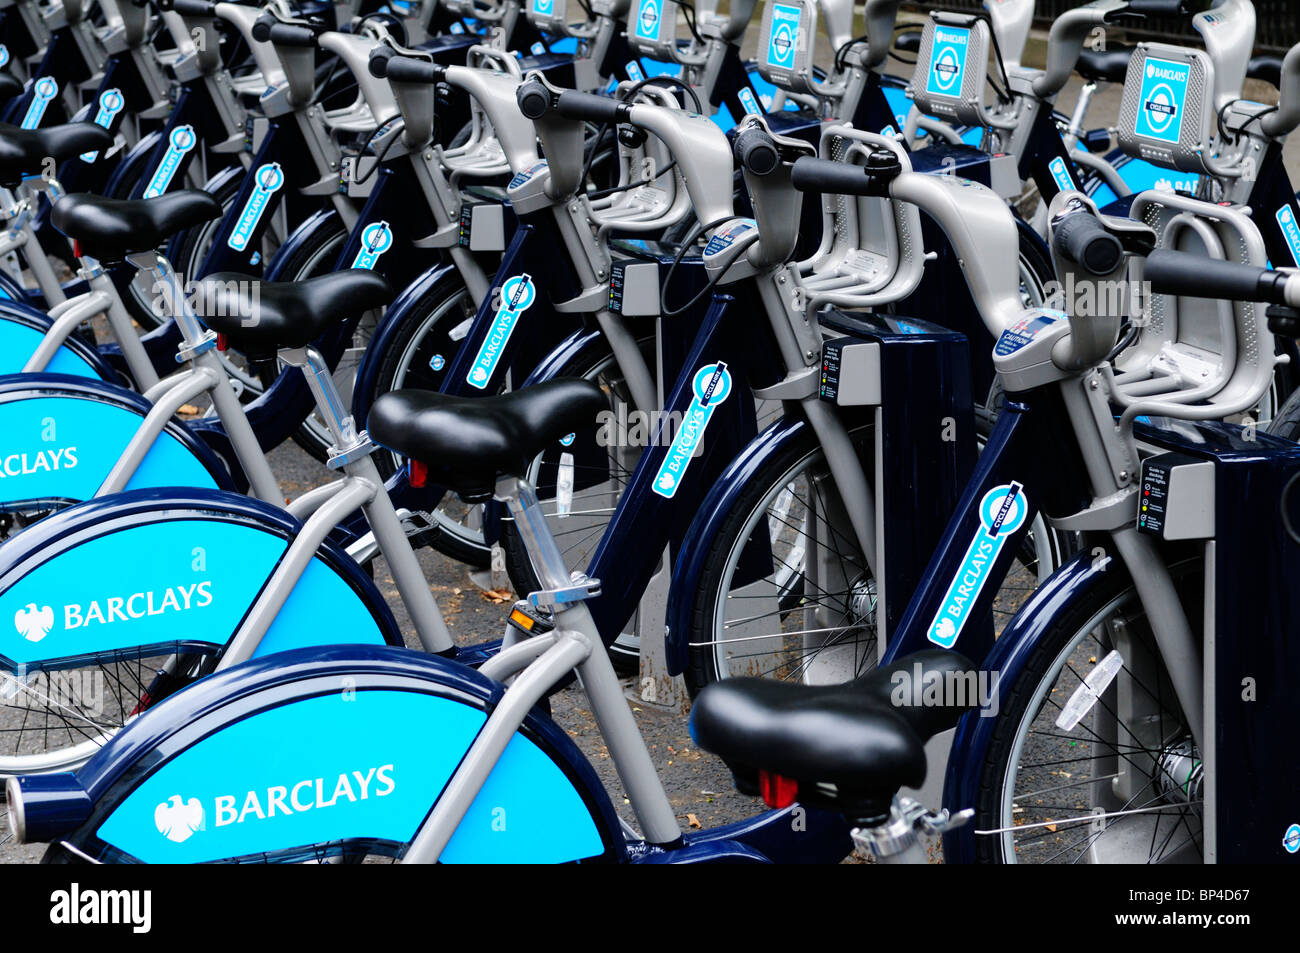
363, 447
184, 354
583, 588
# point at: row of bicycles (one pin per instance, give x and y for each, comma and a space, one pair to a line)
941, 442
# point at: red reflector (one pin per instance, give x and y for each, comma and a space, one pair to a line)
222, 343
76, 248
777, 791
419, 473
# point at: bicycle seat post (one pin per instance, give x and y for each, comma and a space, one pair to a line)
558, 587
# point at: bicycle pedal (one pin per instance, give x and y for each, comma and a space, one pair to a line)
528, 620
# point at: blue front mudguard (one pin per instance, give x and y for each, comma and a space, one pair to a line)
1077, 579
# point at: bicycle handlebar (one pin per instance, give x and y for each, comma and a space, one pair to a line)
1083, 240
386, 63
1287, 117
755, 151
1183, 273
285, 34
189, 8
535, 101
1159, 8
845, 178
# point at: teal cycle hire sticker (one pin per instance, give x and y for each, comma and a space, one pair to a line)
1160, 105
343, 765
270, 178
179, 143
634, 72
1291, 839
1061, 175
749, 101
712, 384
517, 296
543, 7
1290, 230
111, 102
376, 239
948, 60
784, 39
4, 56
1002, 512
647, 20
42, 94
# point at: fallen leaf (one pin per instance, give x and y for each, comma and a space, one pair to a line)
1051, 827
693, 820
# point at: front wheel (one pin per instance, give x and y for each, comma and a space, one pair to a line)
1123, 785
786, 591
597, 470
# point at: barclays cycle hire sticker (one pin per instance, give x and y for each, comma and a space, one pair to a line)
647, 20
1002, 512
376, 239
1160, 105
1290, 230
517, 296
179, 142
270, 178
749, 101
634, 72
111, 102
784, 40
42, 94
948, 61
1061, 175
712, 384
4, 56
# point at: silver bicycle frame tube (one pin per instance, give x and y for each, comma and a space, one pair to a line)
576, 645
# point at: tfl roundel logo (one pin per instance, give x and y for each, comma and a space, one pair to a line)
1291, 839
647, 20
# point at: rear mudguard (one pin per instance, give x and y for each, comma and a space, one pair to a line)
1078, 578
12, 291
349, 744
151, 572
62, 436
689, 566
21, 330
